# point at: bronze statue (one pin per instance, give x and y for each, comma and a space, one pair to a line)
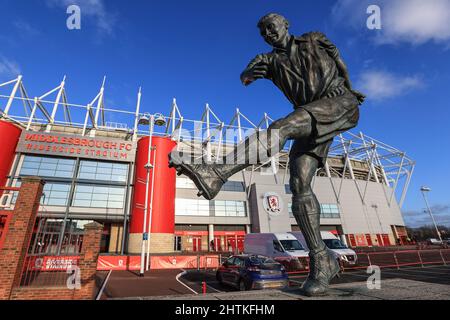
311, 74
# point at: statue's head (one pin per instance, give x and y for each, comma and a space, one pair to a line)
274, 29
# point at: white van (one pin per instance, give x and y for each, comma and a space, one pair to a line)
283, 247
341, 251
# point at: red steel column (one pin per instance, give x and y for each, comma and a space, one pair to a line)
163, 213
9, 134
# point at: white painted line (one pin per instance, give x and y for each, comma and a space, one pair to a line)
100, 293
178, 279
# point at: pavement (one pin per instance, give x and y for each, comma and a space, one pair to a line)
393, 289
416, 283
154, 283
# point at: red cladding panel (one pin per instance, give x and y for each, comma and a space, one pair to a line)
9, 134
163, 216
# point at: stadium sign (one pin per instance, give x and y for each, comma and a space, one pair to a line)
76, 146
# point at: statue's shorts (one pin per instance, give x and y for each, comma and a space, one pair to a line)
330, 117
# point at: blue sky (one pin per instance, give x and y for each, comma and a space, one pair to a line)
195, 51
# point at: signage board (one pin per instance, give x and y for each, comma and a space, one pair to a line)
99, 148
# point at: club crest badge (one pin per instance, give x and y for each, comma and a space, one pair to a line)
272, 203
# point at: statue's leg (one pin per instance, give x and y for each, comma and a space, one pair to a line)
255, 149
305, 206
262, 145
306, 210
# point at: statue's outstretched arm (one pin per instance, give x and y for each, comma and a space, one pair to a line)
257, 69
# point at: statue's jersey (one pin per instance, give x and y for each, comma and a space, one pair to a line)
307, 73
307, 70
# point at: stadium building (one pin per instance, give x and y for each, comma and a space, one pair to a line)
101, 170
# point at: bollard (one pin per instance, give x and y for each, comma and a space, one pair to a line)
204, 287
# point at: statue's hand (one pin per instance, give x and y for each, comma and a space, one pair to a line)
257, 72
257, 69
361, 97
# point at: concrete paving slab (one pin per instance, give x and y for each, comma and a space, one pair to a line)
392, 289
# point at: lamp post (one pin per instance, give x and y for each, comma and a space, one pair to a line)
150, 120
147, 267
375, 207
424, 189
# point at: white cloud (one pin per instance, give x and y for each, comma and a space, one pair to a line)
411, 21
94, 10
25, 28
417, 218
379, 85
8, 68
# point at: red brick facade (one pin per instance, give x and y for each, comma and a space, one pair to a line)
18, 236
17, 241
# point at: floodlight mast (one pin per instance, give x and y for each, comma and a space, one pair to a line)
425, 189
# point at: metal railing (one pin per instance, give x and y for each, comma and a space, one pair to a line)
51, 261
393, 259
401, 258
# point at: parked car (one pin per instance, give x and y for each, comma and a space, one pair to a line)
246, 272
341, 251
433, 241
282, 247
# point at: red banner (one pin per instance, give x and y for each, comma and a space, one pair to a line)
184, 262
119, 263
191, 233
62, 263
156, 262
229, 233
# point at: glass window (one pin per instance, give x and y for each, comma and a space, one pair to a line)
235, 186
191, 207
334, 244
47, 167
105, 171
277, 246
287, 189
99, 197
229, 208
53, 194
291, 245
185, 183
329, 211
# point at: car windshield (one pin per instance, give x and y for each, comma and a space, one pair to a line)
291, 245
257, 260
334, 244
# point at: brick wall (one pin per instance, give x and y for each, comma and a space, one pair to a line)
42, 293
87, 265
88, 260
17, 241
18, 236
